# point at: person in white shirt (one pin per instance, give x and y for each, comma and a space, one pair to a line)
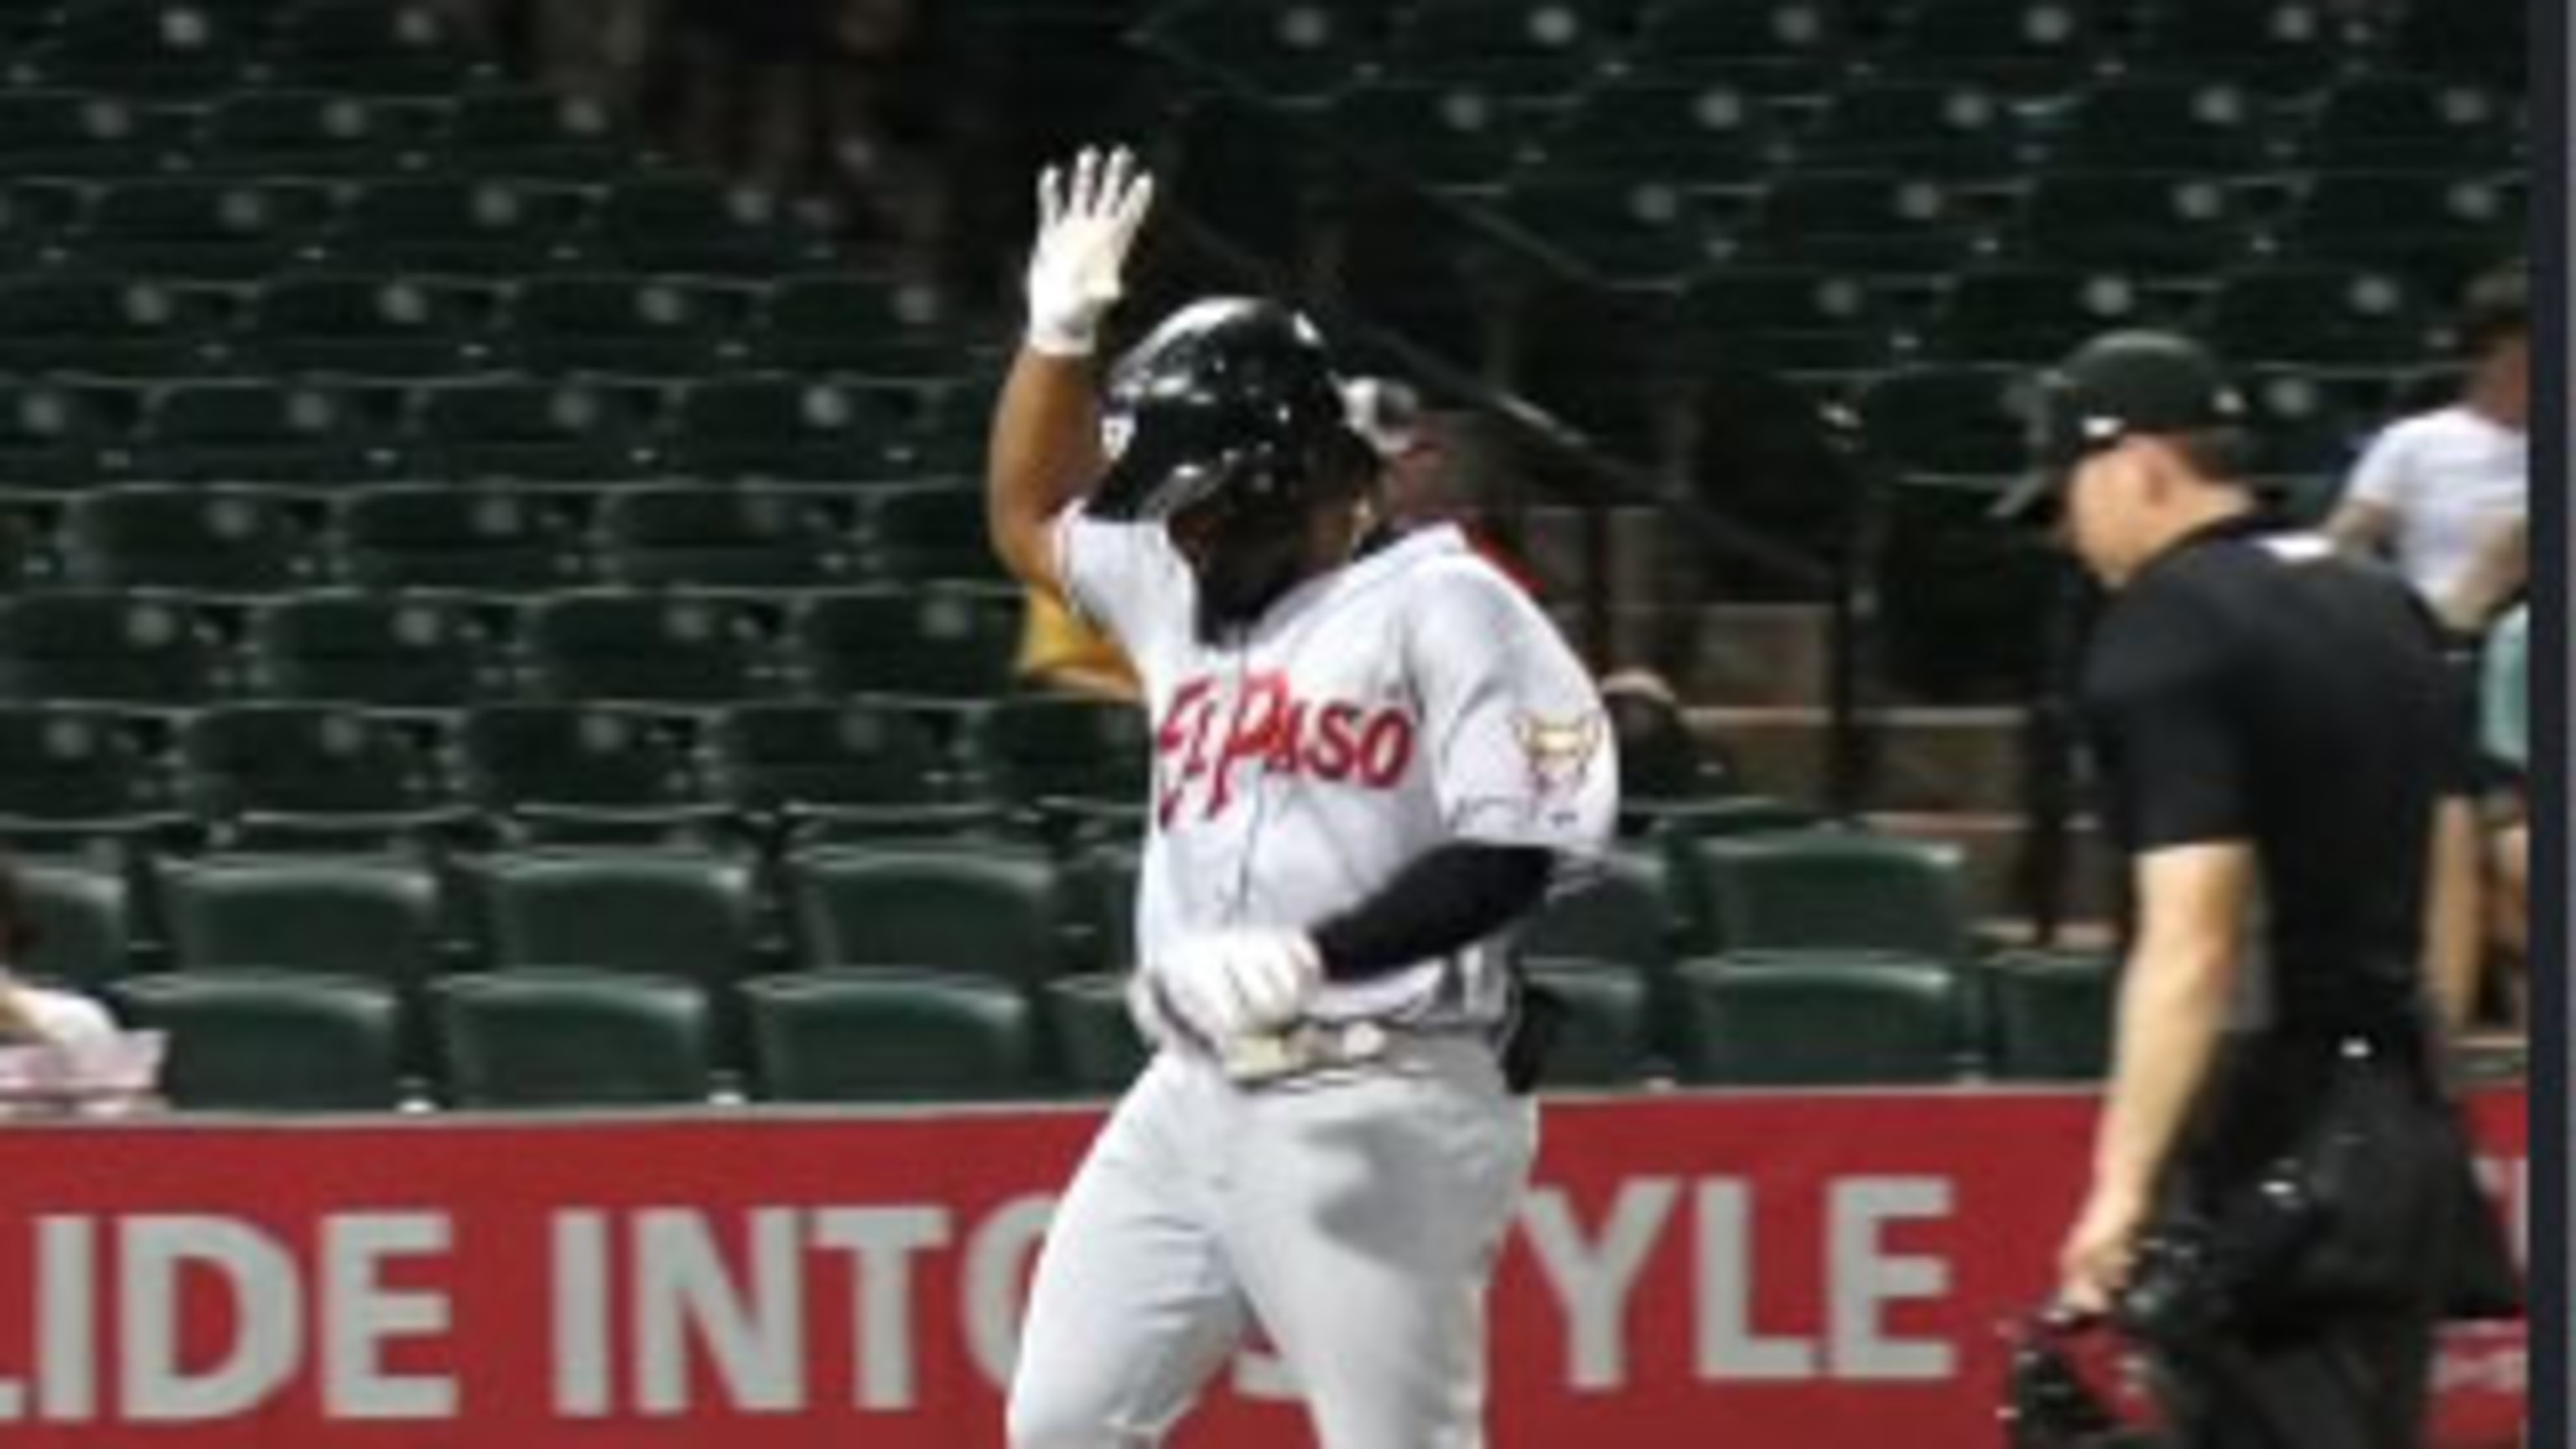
2445, 492
32, 1015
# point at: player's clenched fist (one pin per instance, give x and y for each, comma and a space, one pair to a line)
1087, 220
1231, 984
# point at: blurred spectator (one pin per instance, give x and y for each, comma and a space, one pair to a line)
2446, 491
2504, 730
1060, 651
37, 1015
1661, 758
1419, 487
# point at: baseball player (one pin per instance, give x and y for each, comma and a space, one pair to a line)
1372, 755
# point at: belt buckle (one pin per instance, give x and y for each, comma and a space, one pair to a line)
1302, 1049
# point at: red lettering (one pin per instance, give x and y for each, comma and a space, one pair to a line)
1184, 728
1284, 742
1331, 759
1247, 735
1385, 749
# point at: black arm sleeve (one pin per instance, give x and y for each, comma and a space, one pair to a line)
1452, 895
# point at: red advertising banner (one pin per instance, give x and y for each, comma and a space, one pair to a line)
1795, 1270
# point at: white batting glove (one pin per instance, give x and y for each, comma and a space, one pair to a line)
1086, 222
1226, 985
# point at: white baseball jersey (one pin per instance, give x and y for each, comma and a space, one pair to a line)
1413, 697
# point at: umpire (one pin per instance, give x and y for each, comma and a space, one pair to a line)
2273, 743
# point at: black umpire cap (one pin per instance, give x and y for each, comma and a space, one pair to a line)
2119, 385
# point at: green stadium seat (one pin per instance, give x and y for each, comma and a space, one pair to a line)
2489, 43
651, 648
879, 1036
932, 642
566, 1038
1302, 50
990, 913
1794, 319
298, 133
1835, 891
1037, 749
629, 326
545, 432
203, 229
1705, 132
63, 767
2311, 423
1780, 44
777, 429
1534, 48
200, 539
264, 432
325, 763
2439, 229
272, 1041
776, 758
1821, 1022
535, 134
78, 133
107, 326
1621, 916
139, 45
440, 536
2291, 41
1875, 221
83, 915
1951, 128
2034, 314
2025, 43
2192, 123
408, 652
481, 228
688, 225
371, 326
2052, 1014
1450, 135
2318, 316
575, 759
2413, 122
2136, 221
930, 531
1097, 1049
373, 46
690, 914
1605, 1032
67, 648
1629, 231
726, 537
380, 917
54, 435
1953, 419
833, 322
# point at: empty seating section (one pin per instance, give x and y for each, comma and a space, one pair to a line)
509, 613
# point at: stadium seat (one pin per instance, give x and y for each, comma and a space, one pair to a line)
875, 1036
293, 133
691, 914
2136, 221
777, 428
139, 45
1684, 132
2024, 43
1615, 229
2034, 314
2439, 229
1864, 220
651, 648
1949, 128
1303, 50
372, 326
64, 648
107, 326
441, 536
545, 432
380, 917
2191, 123
2387, 122
832, 322
481, 228
2309, 423
2319, 316
2052, 1015
1773, 46
1955, 420
369, 45
535, 134
83, 915
1444, 135
1042, 748
1795, 319
933, 642
576, 764
1832, 1021
1622, 917
930, 531
203, 229
65, 770
1604, 1034
685, 224
410, 652
778, 758
37, 221
566, 1038
326, 764
264, 432
1531, 48
726, 537
200, 539
2286, 41
1097, 1048
629, 326
54, 435
991, 913
80, 133
272, 1041
2489, 43
1833, 891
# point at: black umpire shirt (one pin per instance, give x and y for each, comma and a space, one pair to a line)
2250, 686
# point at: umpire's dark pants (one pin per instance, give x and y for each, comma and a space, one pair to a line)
2343, 1383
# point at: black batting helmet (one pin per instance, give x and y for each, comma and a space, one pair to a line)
1231, 396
